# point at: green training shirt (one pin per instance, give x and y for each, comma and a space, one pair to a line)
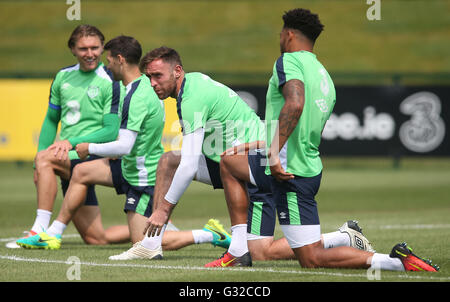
300, 154
142, 112
83, 99
226, 118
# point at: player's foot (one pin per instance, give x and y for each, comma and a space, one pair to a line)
41, 241
220, 236
410, 261
357, 239
227, 260
137, 251
14, 245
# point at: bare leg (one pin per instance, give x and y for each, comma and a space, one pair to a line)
171, 240
167, 166
234, 174
269, 249
85, 174
47, 168
87, 219
136, 224
314, 255
88, 222
175, 240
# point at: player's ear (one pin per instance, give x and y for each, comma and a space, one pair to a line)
121, 59
178, 70
291, 34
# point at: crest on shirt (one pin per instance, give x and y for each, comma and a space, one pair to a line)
93, 91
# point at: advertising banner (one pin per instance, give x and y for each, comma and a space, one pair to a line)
380, 120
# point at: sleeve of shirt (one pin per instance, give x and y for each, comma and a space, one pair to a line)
120, 147
54, 99
107, 133
191, 150
288, 67
49, 128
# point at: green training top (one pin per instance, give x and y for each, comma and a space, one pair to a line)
83, 98
226, 118
142, 112
300, 154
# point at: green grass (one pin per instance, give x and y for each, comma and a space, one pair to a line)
410, 203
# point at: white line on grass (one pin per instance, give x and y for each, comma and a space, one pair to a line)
200, 268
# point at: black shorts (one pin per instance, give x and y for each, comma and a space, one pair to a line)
139, 199
91, 197
295, 200
261, 210
214, 173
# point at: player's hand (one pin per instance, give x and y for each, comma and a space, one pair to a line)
277, 170
155, 223
82, 150
243, 149
61, 149
236, 150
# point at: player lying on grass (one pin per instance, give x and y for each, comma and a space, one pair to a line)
139, 146
206, 108
84, 98
300, 99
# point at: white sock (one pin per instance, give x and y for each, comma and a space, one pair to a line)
335, 239
202, 236
385, 262
57, 228
238, 245
152, 243
42, 221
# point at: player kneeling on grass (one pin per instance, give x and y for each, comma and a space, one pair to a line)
300, 99
139, 146
242, 173
205, 108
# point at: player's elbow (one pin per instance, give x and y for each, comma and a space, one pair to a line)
125, 150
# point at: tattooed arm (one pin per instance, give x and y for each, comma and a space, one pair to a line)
294, 96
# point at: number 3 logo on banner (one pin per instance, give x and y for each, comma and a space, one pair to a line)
425, 131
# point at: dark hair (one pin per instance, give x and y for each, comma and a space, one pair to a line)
84, 31
167, 54
128, 47
304, 21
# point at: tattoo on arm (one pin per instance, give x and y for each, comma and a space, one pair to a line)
294, 96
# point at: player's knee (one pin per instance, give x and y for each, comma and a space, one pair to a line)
311, 258
259, 254
94, 240
42, 159
260, 249
309, 261
225, 167
80, 174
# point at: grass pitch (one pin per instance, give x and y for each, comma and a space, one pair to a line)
410, 203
